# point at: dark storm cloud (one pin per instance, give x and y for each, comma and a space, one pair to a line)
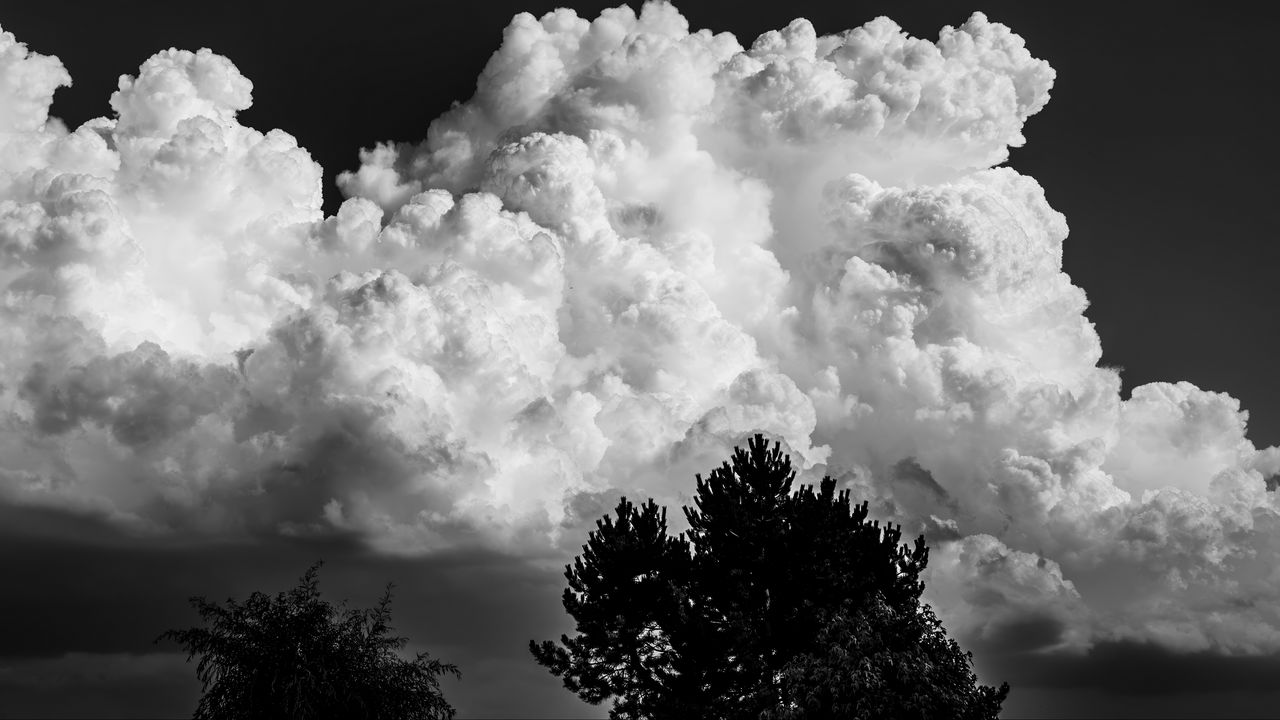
97, 589
1021, 634
1132, 680
160, 685
1137, 669
87, 601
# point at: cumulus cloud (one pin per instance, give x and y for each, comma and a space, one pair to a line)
635, 246
1010, 599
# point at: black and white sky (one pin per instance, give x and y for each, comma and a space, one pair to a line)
420, 289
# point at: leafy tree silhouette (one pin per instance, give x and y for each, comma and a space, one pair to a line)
297, 656
774, 605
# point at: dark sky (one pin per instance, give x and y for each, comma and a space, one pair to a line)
1156, 146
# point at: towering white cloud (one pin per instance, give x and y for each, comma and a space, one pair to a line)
635, 246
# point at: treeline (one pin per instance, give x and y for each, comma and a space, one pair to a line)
774, 605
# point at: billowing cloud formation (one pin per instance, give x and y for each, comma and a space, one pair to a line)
632, 248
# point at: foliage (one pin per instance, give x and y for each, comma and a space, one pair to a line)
870, 663
297, 656
773, 604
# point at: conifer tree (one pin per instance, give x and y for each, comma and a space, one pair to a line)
774, 604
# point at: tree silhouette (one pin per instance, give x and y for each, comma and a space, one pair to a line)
297, 656
871, 663
774, 605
